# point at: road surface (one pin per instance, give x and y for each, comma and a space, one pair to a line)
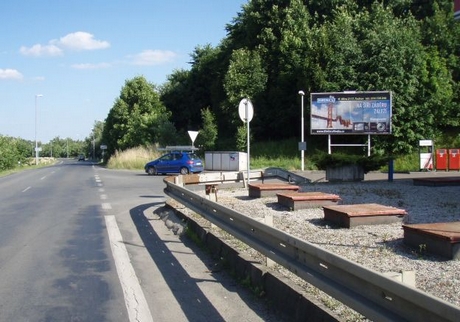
82, 243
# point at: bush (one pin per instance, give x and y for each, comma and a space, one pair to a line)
371, 163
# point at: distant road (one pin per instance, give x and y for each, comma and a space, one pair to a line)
82, 243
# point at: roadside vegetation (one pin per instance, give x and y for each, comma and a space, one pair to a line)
281, 154
133, 159
270, 53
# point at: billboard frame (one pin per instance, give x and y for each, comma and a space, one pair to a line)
351, 113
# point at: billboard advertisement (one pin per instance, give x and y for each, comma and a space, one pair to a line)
350, 113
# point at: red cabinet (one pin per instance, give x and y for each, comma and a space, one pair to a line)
454, 159
441, 159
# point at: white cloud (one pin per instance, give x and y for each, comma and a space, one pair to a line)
81, 41
91, 66
41, 50
74, 41
153, 57
10, 74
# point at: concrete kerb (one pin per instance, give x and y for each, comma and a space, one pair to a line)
287, 298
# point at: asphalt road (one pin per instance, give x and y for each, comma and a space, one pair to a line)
82, 243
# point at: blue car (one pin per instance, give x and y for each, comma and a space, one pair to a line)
175, 162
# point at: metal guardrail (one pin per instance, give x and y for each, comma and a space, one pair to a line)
368, 292
220, 177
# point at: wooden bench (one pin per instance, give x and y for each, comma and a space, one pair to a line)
350, 216
303, 200
259, 190
437, 238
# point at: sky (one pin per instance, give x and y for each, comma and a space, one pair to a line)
63, 63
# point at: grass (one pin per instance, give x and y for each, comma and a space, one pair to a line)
282, 154
29, 165
133, 159
136, 158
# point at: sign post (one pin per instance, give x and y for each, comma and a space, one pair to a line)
103, 147
246, 112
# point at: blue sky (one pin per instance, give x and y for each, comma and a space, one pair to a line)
79, 53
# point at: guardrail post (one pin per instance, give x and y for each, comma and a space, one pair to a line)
406, 277
178, 181
268, 220
241, 174
211, 192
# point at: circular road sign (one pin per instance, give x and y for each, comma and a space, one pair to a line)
245, 103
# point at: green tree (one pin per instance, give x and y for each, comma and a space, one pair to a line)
135, 118
186, 92
245, 78
405, 46
208, 134
13, 151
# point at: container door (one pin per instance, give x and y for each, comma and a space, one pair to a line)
454, 159
441, 159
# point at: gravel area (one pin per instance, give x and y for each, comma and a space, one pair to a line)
378, 247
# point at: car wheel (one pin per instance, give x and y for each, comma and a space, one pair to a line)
183, 170
151, 171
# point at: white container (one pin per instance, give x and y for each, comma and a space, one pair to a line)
225, 161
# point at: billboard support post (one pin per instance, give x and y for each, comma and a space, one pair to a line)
302, 152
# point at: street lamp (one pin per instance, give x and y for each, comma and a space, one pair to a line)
302, 153
36, 142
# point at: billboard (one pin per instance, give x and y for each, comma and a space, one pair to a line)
350, 113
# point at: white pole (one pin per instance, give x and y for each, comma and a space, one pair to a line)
247, 122
368, 145
36, 121
302, 152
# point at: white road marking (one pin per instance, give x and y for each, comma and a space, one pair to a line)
103, 197
106, 206
136, 304
42, 178
26, 189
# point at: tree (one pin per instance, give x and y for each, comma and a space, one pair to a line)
245, 78
135, 118
208, 134
95, 140
273, 49
14, 151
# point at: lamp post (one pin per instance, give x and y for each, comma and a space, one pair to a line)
94, 147
302, 153
36, 117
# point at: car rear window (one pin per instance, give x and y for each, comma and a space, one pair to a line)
193, 156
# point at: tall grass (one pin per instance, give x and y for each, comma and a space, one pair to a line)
281, 154
133, 159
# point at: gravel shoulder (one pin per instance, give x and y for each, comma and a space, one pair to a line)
378, 247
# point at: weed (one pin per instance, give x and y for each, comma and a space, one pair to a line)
194, 237
421, 250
